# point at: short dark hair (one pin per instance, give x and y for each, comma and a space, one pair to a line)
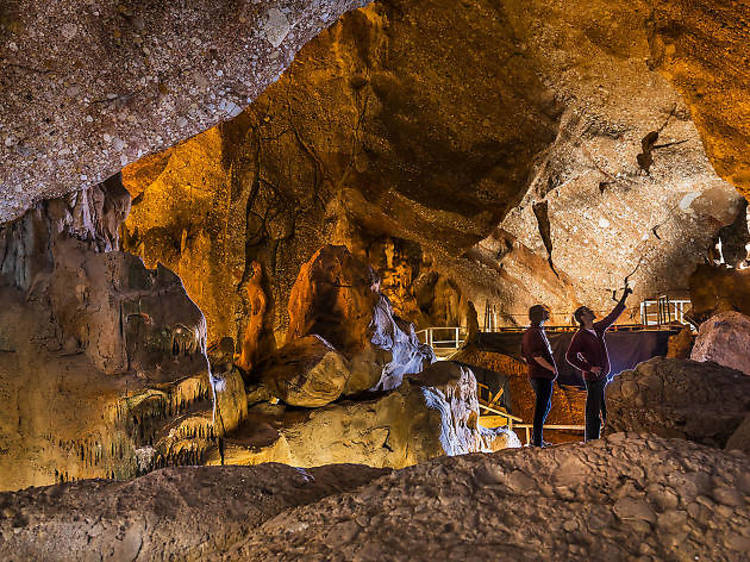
578, 314
536, 313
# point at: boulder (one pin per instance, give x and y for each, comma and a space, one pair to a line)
724, 339
715, 289
701, 402
627, 497
431, 414
307, 372
190, 513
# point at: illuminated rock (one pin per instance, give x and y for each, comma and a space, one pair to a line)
336, 297
103, 364
306, 372
431, 414
131, 81
724, 339
740, 439
702, 402
719, 289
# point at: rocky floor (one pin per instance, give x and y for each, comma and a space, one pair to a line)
623, 498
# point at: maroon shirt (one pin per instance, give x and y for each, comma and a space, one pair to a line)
535, 344
587, 350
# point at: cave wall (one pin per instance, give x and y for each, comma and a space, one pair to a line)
88, 87
557, 147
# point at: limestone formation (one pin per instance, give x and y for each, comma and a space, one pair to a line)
715, 289
306, 372
623, 498
190, 513
431, 414
103, 368
702, 402
90, 87
337, 297
559, 104
724, 339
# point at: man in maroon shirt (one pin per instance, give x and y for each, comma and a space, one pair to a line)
537, 353
588, 353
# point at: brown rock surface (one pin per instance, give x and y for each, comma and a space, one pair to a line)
89, 87
724, 339
618, 499
189, 513
306, 372
719, 289
103, 370
702, 402
431, 414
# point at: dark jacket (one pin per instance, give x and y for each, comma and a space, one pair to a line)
535, 344
587, 350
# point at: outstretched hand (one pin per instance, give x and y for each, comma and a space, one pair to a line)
628, 291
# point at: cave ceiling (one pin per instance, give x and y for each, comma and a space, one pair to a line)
508, 144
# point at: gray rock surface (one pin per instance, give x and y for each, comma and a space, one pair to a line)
624, 498
702, 402
185, 514
724, 339
89, 86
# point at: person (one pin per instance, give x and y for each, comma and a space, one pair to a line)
587, 352
537, 353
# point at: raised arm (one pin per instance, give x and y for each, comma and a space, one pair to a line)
574, 357
606, 322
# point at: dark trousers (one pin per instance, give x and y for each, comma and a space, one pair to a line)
596, 406
543, 390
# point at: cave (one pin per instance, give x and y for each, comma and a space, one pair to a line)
268, 270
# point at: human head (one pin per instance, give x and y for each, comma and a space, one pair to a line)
538, 314
584, 314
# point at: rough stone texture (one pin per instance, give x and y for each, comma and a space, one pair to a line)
702, 402
89, 87
379, 133
700, 47
624, 498
724, 339
306, 372
103, 367
188, 513
740, 439
337, 297
434, 413
715, 289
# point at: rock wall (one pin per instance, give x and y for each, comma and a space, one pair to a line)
90, 87
724, 339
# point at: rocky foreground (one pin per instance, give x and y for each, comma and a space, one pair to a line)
626, 497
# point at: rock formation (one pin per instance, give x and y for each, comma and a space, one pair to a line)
133, 80
701, 402
621, 498
724, 339
715, 289
191, 513
431, 414
103, 369
357, 155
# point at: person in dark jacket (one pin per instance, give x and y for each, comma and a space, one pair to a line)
588, 353
537, 353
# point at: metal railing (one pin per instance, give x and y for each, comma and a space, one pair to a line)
443, 339
663, 310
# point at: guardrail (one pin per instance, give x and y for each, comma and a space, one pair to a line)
443, 338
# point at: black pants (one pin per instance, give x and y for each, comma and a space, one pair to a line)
596, 405
543, 389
